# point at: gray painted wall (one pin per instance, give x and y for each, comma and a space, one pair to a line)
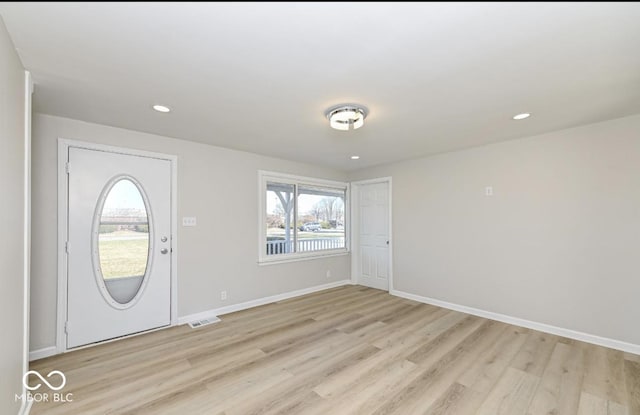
217, 185
558, 243
12, 148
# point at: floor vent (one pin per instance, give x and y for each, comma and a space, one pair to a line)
204, 322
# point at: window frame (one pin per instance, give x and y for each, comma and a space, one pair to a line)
268, 176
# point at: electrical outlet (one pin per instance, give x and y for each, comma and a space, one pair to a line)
328, 273
223, 295
488, 191
189, 221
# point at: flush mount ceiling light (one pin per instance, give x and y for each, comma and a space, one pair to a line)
346, 117
161, 108
522, 116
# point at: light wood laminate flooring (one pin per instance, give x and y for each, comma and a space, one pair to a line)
348, 350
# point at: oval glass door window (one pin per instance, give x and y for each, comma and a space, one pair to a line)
123, 241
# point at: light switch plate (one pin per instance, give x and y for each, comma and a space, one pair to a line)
189, 221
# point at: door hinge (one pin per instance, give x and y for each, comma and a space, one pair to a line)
66, 247
66, 167
66, 327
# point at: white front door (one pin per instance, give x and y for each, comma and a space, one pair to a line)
119, 245
373, 235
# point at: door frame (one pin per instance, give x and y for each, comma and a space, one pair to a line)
63, 229
355, 227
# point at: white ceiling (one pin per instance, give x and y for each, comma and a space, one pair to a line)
258, 77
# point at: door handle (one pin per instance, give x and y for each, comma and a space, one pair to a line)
164, 251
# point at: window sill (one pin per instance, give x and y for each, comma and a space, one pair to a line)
297, 258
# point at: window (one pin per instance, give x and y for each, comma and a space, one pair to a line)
122, 239
301, 217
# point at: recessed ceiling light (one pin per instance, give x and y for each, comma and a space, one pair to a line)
522, 116
355, 157
161, 108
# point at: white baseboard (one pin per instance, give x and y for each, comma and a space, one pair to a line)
559, 331
260, 301
42, 353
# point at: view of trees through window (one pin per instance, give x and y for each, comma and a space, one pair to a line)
318, 212
123, 234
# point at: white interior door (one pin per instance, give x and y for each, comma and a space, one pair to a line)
373, 235
119, 245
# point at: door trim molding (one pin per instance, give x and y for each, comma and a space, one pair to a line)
63, 197
355, 218
26, 293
